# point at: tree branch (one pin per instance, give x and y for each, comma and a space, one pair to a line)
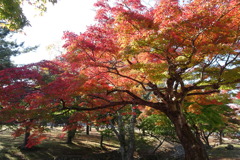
203, 93
111, 104
139, 82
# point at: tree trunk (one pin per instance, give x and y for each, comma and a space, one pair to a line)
207, 141
221, 137
143, 132
127, 148
131, 139
87, 130
101, 142
26, 137
70, 136
121, 137
193, 147
205, 137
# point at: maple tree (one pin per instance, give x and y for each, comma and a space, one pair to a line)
16, 84
29, 97
169, 50
207, 114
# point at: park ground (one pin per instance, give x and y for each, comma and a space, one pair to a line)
87, 147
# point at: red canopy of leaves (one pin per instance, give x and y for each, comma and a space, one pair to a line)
168, 52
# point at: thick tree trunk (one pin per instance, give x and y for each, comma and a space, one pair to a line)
193, 147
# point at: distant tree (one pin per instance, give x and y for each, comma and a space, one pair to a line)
21, 89
11, 13
9, 48
122, 124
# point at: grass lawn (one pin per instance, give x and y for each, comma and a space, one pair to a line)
220, 152
86, 147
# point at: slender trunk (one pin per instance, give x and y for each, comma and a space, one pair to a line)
70, 136
121, 137
131, 139
101, 142
120, 133
160, 143
52, 125
87, 130
193, 147
127, 148
221, 137
143, 132
26, 137
207, 141
205, 137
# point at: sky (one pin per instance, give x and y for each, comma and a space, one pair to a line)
46, 30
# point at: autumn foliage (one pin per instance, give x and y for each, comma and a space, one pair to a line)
173, 53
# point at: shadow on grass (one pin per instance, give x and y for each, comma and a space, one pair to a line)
220, 152
88, 148
51, 150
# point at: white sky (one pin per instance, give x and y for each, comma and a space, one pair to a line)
66, 15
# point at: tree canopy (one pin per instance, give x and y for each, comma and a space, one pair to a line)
9, 48
170, 52
11, 13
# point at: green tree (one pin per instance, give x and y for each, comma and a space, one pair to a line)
159, 127
9, 48
11, 13
209, 121
211, 114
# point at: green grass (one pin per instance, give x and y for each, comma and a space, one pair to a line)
220, 152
